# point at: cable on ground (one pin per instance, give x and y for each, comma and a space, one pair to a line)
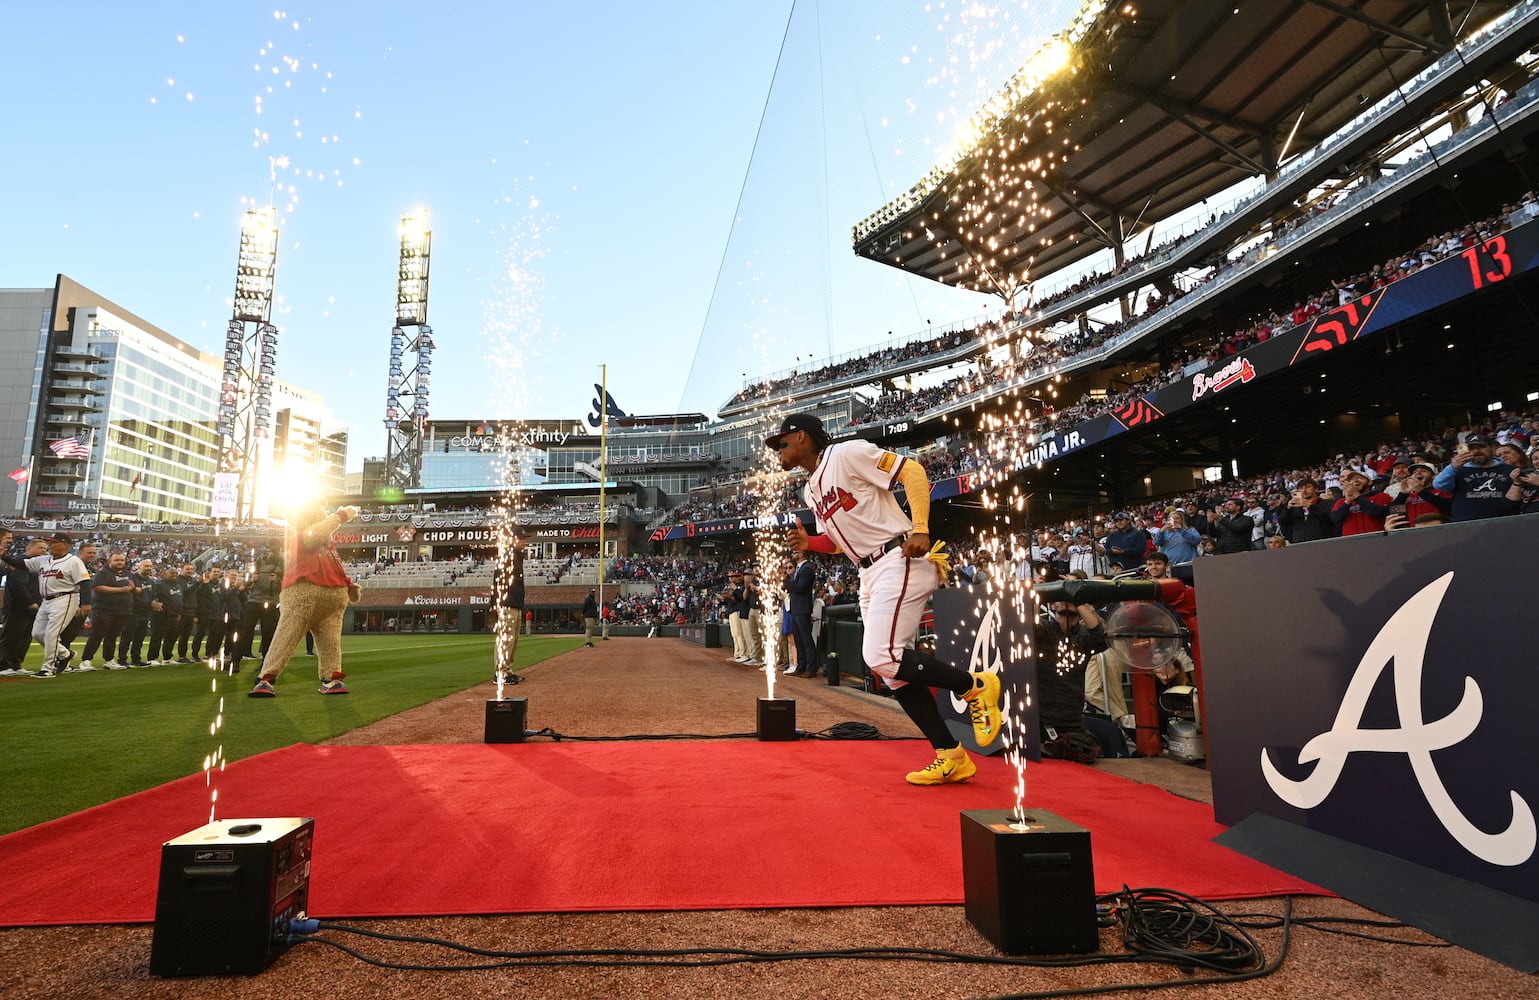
558, 737
1159, 927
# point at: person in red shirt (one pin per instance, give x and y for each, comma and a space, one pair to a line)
316, 591
1419, 497
1358, 512
1384, 460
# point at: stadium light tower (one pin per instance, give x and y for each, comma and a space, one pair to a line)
250, 359
411, 358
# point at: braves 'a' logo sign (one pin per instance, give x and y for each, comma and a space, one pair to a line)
1404, 640
986, 656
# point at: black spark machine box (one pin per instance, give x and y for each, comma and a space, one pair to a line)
1029, 885
227, 893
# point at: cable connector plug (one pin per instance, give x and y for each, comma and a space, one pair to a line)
302, 927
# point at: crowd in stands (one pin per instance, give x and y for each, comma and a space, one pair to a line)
693, 591
1396, 485
1068, 349
727, 502
1227, 516
562, 568
1055, 352
947, 463
1089, 281
1460, 474
900, 403
1431, 250
876, 359
940, 463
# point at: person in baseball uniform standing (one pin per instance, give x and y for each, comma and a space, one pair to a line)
850, 491
59, 575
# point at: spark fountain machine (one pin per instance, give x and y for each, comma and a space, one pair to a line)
1028, 876
227, 893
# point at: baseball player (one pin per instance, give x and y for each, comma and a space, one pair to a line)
849, 488
59, 575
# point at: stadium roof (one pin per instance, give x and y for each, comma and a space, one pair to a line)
1145, 108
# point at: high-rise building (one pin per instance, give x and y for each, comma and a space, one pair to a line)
306, 442
107, 414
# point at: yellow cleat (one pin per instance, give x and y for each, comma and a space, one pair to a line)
983, 707
949, 767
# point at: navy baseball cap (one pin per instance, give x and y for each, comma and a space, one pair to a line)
799, 422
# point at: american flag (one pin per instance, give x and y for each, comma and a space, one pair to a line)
71, 448
21, 475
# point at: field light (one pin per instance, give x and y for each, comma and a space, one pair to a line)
294, 486
411, 356
250, 357
414, 229
255, 267
412, 282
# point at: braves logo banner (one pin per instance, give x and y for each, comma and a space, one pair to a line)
978, 629
1237, 372
1354, 687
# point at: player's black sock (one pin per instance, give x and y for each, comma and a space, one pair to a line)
919, 703
918, 667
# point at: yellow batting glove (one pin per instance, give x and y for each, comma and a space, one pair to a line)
942, 560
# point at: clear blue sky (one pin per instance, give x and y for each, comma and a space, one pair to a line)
581, 164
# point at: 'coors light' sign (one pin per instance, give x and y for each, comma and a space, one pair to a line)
1238, 370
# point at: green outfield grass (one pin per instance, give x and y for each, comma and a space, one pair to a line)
78, 740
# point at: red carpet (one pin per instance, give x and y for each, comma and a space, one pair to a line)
455, 829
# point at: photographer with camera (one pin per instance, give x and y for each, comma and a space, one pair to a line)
1067, 636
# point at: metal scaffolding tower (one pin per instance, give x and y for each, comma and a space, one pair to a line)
250, 359
411, 359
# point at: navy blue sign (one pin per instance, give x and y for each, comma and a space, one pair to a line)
1380, 689
1474, 270
978, 628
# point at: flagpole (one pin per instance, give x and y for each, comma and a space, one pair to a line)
26, 494
603, 478
90, 443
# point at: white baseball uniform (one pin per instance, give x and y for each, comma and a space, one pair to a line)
59, 582
850, 493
